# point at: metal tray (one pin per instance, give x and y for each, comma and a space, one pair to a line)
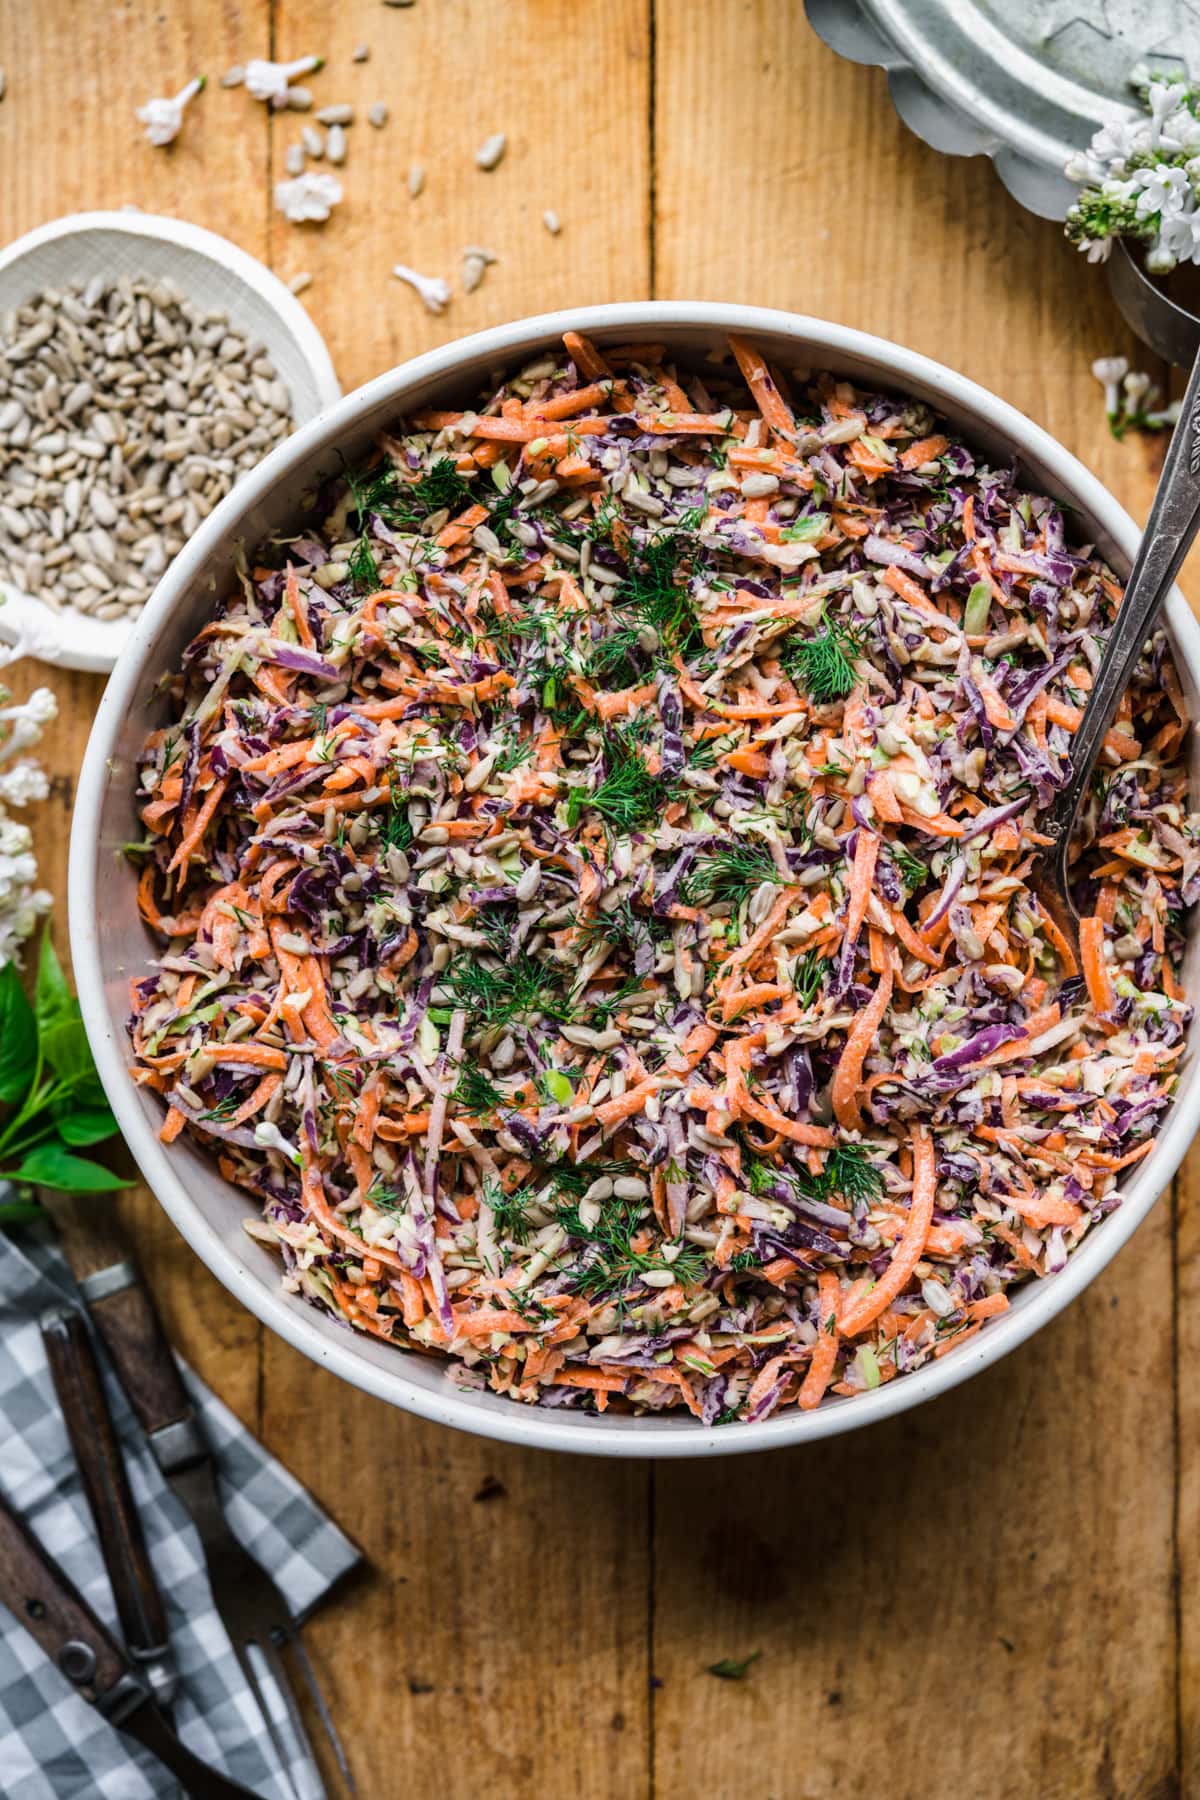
1025, 82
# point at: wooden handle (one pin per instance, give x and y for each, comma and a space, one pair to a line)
84, 1404
133, 1334
88, 1230
127, 1320
58, 1617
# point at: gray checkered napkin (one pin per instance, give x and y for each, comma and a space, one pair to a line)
53, 1745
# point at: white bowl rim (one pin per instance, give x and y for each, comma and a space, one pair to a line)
541, 1428
54, 636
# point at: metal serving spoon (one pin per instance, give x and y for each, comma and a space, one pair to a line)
1172, 525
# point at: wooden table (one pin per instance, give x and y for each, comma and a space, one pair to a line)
996, 1594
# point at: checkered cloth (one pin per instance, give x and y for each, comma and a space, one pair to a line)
53, 1745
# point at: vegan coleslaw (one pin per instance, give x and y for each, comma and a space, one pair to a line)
590, 860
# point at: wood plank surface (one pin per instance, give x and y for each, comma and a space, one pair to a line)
994, 1596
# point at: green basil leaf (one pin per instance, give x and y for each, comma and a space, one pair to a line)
50, 1165
52, 998
84, 1124
18, 1037
65, 1046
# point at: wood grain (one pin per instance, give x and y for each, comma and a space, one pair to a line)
979, 1598
515, 1624
993, 1596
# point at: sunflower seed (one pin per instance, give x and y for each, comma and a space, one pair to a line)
491, 151
552, 222
117, 434
335, 145
360, 53
416, 180
377, 115
312, 142
342, 114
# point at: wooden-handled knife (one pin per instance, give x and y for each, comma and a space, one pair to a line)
55, 1613
101, 1464
124, 1313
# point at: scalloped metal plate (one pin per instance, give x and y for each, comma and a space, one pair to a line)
1024, 82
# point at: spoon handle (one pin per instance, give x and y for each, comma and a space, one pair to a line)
1170, 529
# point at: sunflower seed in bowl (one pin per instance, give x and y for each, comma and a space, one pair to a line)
127, 411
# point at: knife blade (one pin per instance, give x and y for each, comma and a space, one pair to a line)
63, 1624
101, 1464
254, 1611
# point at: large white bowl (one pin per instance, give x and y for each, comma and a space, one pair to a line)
109, 943
210, 270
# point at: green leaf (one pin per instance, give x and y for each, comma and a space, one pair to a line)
729, 1669
52, 1166
20, 1212
52, 997
18, 1037
85, 1124
65, 1046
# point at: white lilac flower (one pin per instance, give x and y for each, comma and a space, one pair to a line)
1164, 189
1137, 180
1178, 241
1136, 386
21, 725
271, 1138
434, 291
163, 119
21, 904
1162, 98
308, 198
23, 783
270, 80
1109, 371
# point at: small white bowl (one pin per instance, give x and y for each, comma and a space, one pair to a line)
109, 944
208, 269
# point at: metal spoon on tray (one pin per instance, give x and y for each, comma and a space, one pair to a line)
1172, 525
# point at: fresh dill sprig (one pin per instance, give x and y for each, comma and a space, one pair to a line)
616, 1264
617, 660
224, 1109
398, 503
624, 924
475, 1091
514, 752
497, 994
824, 663
629, 793
577, 1178
362, 568
510, 1211
655, 590
729, 876
848, 1174
810, 976
442, 489
383, 1196
911, 870
396, 828
603, 1007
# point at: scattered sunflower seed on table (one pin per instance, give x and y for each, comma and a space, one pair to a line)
491, 151
127, 411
